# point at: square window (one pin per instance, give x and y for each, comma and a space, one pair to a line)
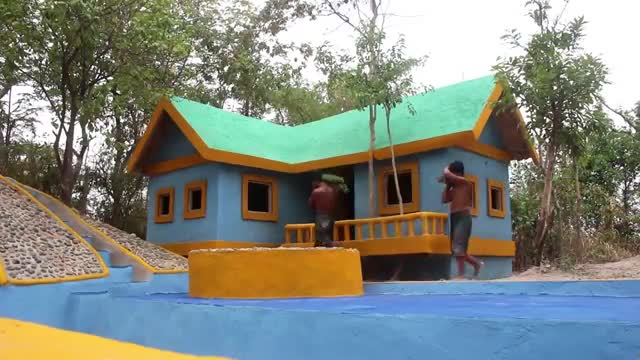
496, 198
404, 182
259, 198
195, 200
408, 181
164, 205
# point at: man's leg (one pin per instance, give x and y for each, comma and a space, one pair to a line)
457, 243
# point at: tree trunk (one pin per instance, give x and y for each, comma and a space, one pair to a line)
578, 212
6, 138
67, 172
372, 145
84, 194
387, 112
546, 204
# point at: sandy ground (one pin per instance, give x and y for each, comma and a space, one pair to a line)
624, 269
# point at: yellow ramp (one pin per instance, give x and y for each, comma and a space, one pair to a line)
26, 341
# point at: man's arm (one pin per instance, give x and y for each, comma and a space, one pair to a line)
453, 178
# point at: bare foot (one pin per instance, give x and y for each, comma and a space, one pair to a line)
478, 268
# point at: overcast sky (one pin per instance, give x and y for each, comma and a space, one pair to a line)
462, 39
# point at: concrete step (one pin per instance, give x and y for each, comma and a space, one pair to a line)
120, 274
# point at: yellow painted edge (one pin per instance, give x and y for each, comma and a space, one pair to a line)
26, 340
3, 274
186, 247
105, 269
534, 153
486, 111
163, 167
208, 154
491, 247
268, 275
432, 244
112, 241
429, 244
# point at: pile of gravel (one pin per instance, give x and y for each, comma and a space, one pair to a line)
35, 246
154, 255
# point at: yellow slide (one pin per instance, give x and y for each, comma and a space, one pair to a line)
25, 341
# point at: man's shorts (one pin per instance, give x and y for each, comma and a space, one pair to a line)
460, 232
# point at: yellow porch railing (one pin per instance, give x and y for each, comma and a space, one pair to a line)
304, 233
389, 227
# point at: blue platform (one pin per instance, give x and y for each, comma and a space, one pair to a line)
564, 308
440, 320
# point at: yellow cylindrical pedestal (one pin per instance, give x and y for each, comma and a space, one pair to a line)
268, 273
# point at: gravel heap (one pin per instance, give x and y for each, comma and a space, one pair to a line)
154, 255
35, 246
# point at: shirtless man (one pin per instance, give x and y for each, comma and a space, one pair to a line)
323, 201
457, 194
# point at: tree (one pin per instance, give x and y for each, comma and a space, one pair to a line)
558, 84
378, 76
74, 49
241, 61
16, 121
396, 76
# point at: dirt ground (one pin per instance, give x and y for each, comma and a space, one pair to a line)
624, 269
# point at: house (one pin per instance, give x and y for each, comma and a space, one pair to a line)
220, 179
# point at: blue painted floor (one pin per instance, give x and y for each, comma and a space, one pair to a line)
562, 308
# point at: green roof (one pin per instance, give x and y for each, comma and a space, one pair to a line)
447, 110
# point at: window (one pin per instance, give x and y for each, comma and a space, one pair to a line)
408, 180
259, 198
496, 198
474, 193
195, 200
164, 206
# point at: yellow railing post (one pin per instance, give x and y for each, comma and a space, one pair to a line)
431, 224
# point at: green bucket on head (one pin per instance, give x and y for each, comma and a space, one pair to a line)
335, 180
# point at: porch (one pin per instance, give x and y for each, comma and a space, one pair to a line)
414, 233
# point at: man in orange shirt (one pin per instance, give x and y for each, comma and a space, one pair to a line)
458, 194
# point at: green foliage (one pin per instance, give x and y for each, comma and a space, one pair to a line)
558, 84
336, 181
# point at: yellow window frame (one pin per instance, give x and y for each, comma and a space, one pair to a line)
497, 185
383, 174
197, 213
272, 215
164, 218
474, 189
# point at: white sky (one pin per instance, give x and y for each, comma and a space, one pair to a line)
462, 39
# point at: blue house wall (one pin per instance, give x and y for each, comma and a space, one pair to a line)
175, 144
224, 194
223, 219
491, 134
181, 229
430, 166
